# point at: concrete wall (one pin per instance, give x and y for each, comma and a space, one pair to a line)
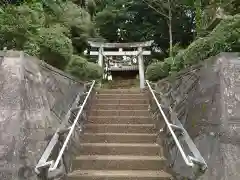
207, 101
34, 99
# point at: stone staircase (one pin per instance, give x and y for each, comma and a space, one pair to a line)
119, 142
119, 83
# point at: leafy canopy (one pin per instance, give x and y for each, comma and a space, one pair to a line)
53, 30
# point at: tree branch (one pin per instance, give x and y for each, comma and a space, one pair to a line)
159, 12
160, 5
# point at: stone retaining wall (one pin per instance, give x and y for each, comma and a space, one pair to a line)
34, 99
207, 100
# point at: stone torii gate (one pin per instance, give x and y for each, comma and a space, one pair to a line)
139, 53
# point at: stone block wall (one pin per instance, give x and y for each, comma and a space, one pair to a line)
206, 99
34, 100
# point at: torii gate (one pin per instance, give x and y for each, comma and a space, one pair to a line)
139, 53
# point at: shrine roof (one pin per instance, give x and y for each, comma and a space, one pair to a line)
120, 45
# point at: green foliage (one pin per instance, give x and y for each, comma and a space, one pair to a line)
74, 17
79, 22
32, 48
157, 71
55, 30
50, 29
55, 48
89, 5
94, 71
84, 70
77, 66
139, 22
51, 44
18, 23
176, 62
176, 49
222, 39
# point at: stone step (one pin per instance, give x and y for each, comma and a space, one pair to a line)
119, 138
121, 101
118, 175
120, 120
121, 96
120, 162
120, 106
146, 149
100, 112
120, 128
120, 91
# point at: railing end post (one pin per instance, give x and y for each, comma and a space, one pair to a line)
36, 170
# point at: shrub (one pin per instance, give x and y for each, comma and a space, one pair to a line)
77, 66
175, 63
157, 71
220, 39
47, 29
17, 23
197, 50
94, 71
80, 68
55, 48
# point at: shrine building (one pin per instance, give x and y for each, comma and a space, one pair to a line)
125, 60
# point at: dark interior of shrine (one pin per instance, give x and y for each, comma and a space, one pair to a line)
124, 75
123, 79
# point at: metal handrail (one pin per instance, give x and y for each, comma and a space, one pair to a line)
54, 164
189, 160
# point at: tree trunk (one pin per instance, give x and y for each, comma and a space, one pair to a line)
170, 29
198, 17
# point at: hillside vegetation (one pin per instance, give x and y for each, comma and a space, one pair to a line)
54, 31
224, 38
184, 31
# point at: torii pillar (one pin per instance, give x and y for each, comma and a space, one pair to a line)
141, 68
100, 56
139, 53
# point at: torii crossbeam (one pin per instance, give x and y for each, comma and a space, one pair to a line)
139, 53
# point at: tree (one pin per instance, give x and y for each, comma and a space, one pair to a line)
90, 5
52, 30
223, 38
139, 22
164, 8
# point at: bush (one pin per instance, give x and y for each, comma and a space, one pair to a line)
77, 66
17, 23
175, 63
94, 71
31, 47
220, 39
157, 71
50, 45
55, 48
80, 68
47, 29
196, 51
